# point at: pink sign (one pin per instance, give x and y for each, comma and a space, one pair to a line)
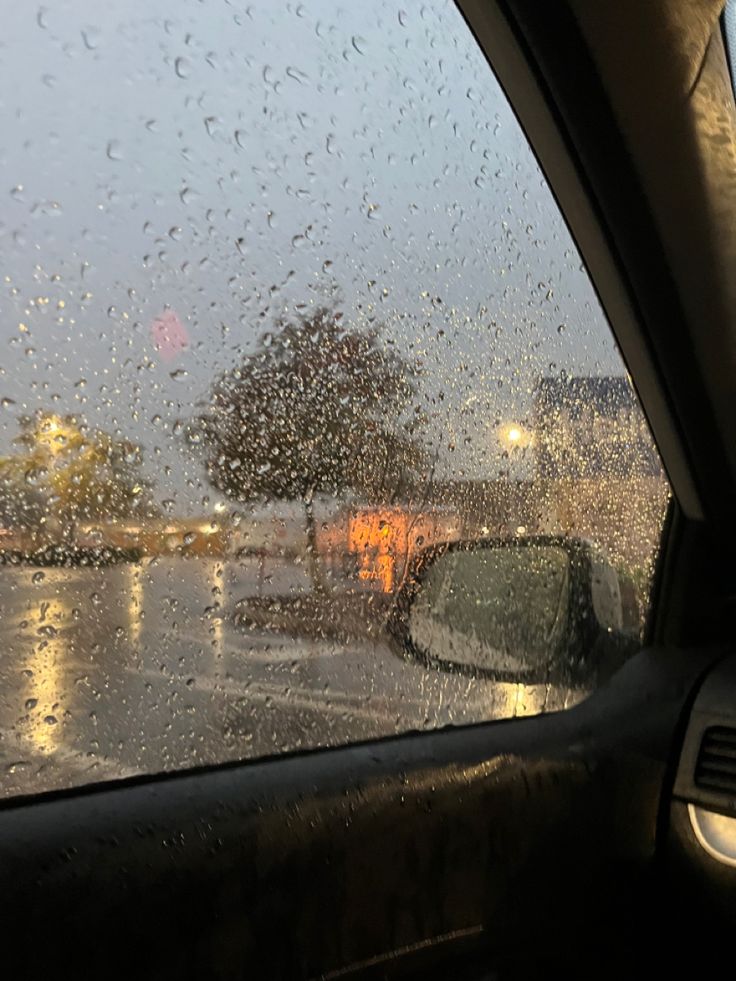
169, 335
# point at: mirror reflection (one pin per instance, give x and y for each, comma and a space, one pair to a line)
497, 609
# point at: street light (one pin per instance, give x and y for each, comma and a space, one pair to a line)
54, 433
513, 435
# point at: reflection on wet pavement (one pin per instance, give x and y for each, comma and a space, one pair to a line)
141, 667
46, 676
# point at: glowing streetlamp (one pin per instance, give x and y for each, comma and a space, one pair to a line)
512, 435
53, 433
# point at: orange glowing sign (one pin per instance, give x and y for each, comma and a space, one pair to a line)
379, 537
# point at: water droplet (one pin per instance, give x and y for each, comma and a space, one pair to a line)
114, 150
179, 375
31, 703
296, 75
50, 720
91, 37
240, 138
38, 577
17, 765
182, 67
358, 43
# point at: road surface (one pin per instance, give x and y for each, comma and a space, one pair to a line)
141, 667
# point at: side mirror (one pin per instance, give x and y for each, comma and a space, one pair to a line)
534, 610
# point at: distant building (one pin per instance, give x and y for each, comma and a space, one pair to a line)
586, 427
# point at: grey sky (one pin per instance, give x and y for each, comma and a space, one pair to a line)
231, 160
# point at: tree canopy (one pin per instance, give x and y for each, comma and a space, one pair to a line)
317, 408
66, 472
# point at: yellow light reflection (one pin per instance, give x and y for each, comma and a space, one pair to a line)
217, 633
511, 700
46, 685
135, 605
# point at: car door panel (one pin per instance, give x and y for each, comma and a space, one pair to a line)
420, 846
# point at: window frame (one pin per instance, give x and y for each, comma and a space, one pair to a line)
504, 32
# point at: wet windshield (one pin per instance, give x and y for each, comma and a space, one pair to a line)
285, 300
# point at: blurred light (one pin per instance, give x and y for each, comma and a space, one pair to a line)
53, 433
514, 436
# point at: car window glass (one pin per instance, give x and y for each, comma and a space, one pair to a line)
286, 303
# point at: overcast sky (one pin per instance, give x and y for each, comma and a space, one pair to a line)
234, 162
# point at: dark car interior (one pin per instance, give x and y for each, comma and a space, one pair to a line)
597, 841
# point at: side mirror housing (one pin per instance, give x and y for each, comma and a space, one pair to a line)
533, 610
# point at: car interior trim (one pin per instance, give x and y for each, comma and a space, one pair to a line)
715, 832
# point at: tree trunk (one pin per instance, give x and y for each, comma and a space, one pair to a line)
315, 565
